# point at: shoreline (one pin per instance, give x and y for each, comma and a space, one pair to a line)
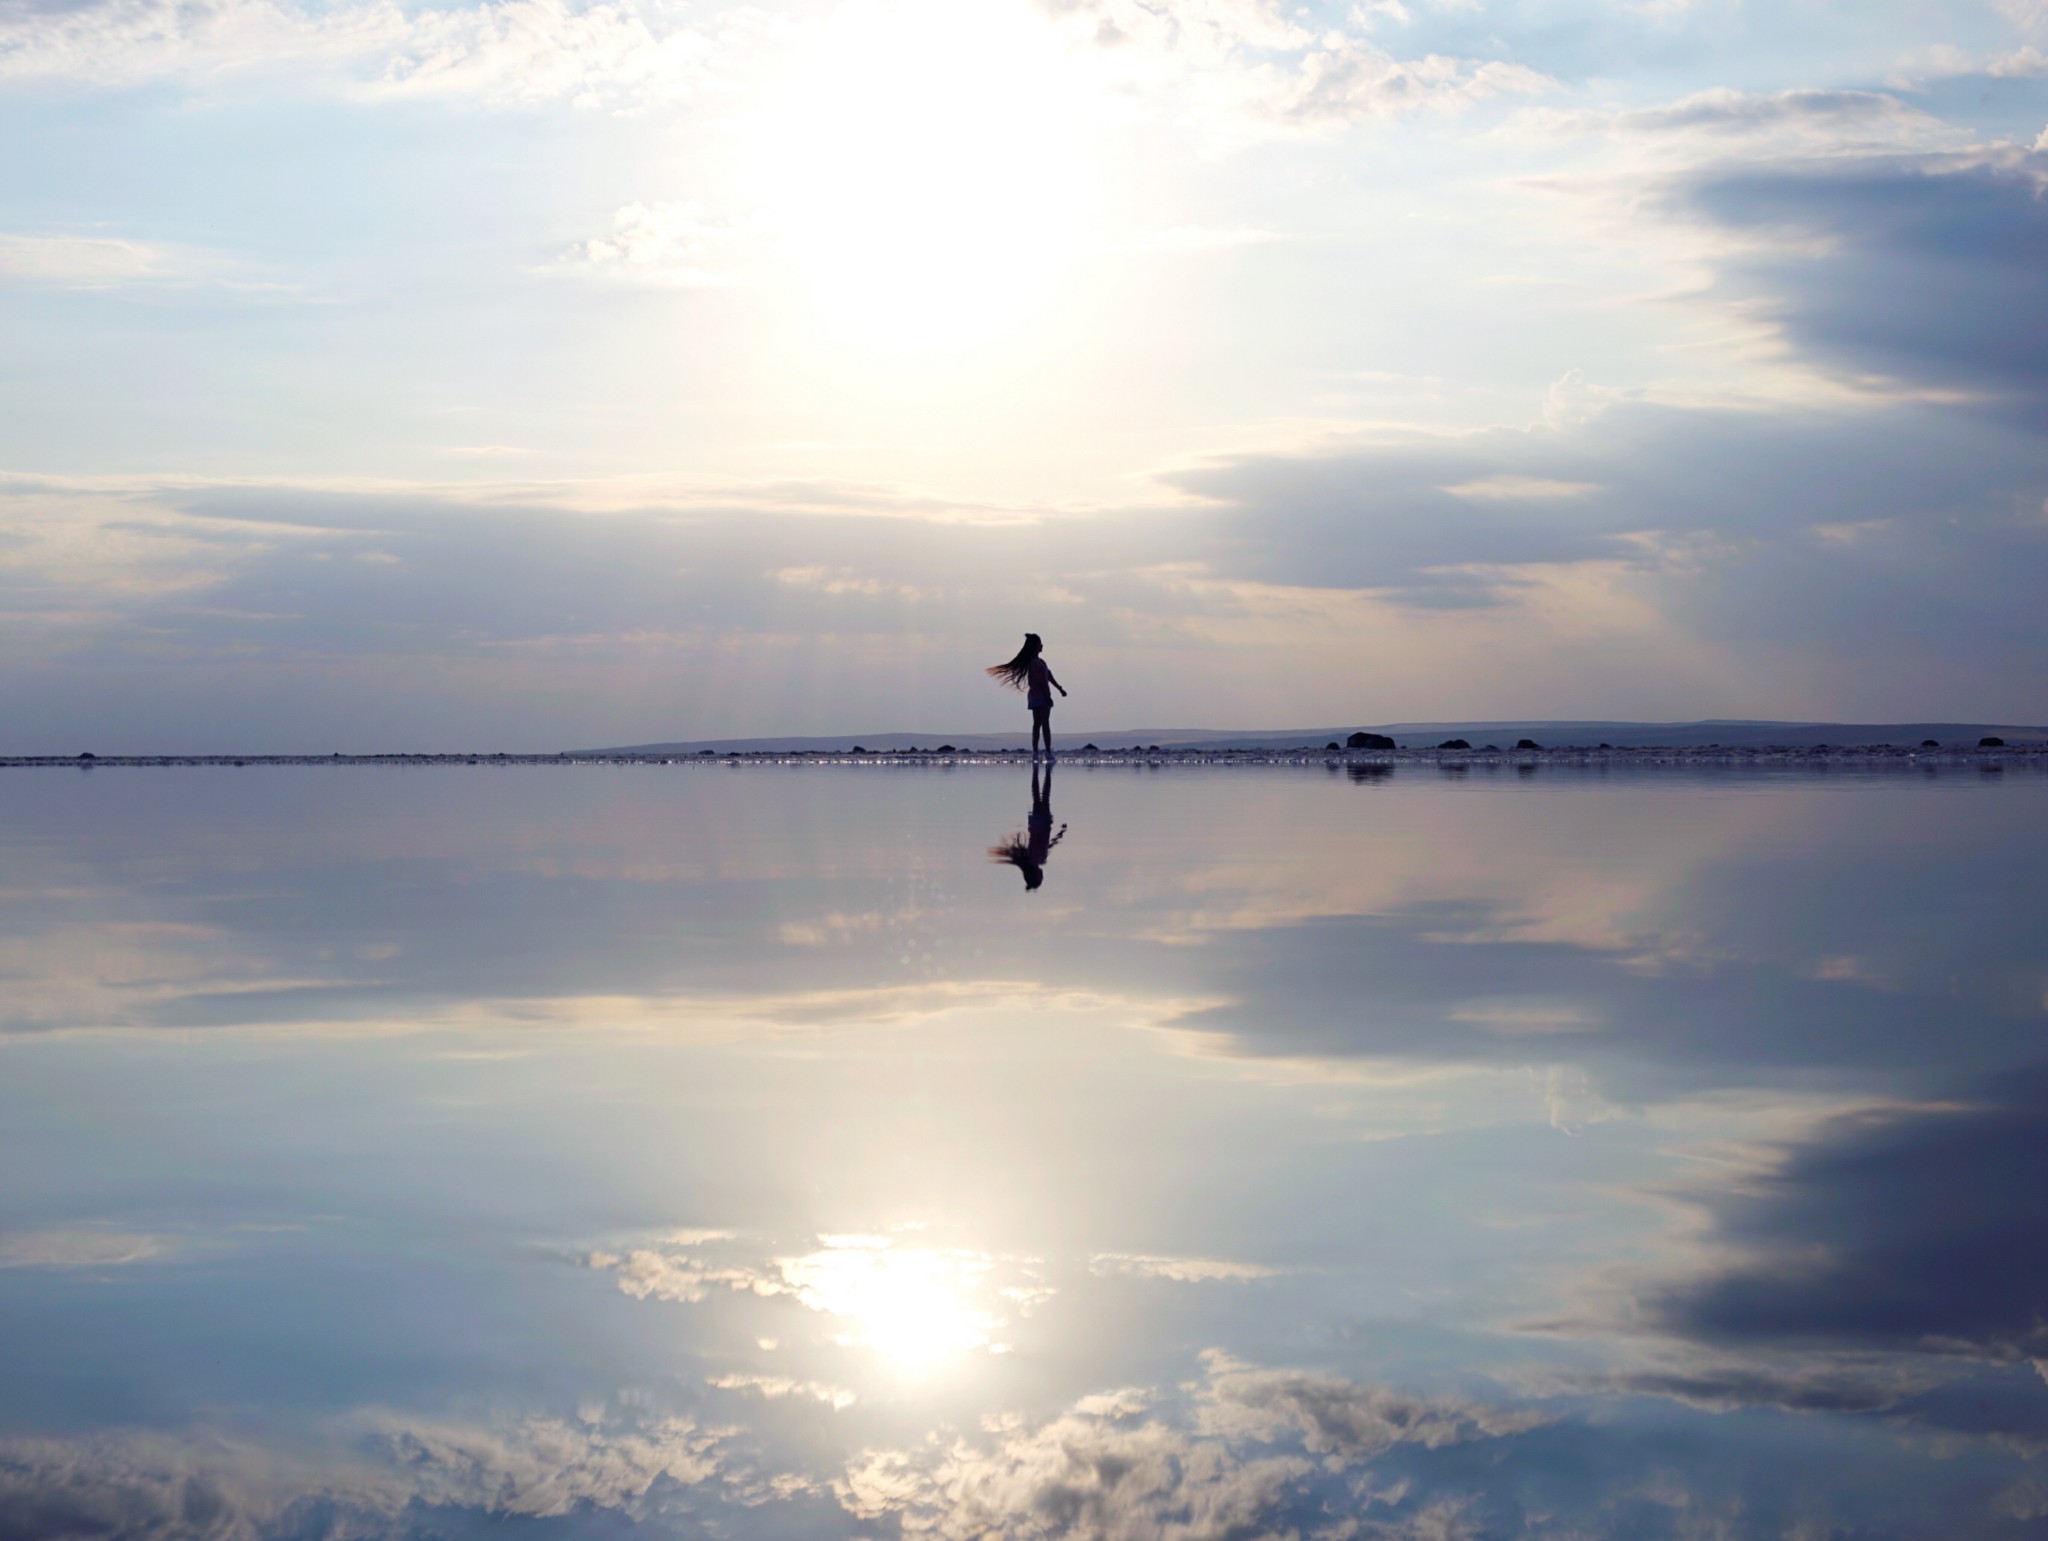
2031, 756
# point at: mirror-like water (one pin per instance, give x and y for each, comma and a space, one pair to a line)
779, 1151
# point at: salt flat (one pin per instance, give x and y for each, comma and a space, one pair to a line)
1545, 1145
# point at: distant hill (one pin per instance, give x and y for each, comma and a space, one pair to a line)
1550, 733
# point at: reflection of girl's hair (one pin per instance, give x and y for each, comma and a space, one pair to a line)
1013, 673
1016, 852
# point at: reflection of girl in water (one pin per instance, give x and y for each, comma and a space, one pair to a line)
1028, 854
1028, 672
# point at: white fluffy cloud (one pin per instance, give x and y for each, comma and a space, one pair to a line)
363, 1474
1258, 66
1244, 1452
1247, 58
1262, 1452
613, 52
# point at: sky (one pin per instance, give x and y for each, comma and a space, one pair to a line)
537, 375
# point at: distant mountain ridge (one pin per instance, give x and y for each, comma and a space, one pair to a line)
1549, 732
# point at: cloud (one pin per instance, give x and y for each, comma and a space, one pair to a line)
1509, 487
1722, 122
127, 972
509, 52
1660, 961
913, 1304
363, 1478
1713, 534
1340, 1418
543, 1467
1238, 1451
1243, 58
1251, 64
775, 1387
1298, 1454
1462, 521
1181, 1270
649, 1274
128, 42
665, 244
1756, 562
1724, 1385
1919, 269
1261, 1452
103, 262
1877, 1264
1351, 80
81, 1247
516, 52
1893, 1230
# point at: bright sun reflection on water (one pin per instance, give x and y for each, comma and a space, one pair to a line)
916, 1308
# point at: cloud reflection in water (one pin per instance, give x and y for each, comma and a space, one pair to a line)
1627, 1155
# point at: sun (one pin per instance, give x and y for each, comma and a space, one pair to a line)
917, 1309
921, 170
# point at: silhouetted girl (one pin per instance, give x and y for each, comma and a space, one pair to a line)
1028, 854
1027, 672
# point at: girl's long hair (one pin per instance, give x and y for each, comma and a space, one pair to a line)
1016, 852
1013, 673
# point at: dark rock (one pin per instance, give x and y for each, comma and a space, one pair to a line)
1454, 743
1368, 741
1527, 743
1090, 749
1990, 743
945, 749
88, 755
1332, 746
1606, 746
705, 754
1930, 743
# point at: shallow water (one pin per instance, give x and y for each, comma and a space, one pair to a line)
744, 1151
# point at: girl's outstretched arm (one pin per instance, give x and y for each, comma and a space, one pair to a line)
1053, 680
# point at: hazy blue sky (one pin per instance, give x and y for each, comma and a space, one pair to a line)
538, 374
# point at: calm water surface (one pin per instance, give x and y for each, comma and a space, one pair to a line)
754, 1153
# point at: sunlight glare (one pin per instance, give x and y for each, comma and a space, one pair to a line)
915, 1308
921, 167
